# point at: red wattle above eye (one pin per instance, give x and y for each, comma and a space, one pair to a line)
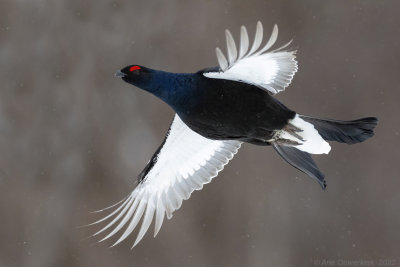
134, 68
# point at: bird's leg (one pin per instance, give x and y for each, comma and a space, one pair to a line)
291, 127
286, 142
293, 130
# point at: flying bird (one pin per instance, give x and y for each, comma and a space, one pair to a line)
217, 110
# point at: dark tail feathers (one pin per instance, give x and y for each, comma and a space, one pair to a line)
349, 132
301, 161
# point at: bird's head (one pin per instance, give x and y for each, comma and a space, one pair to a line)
159, 83
136, 75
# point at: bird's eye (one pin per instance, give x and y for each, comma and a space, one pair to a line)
134, 68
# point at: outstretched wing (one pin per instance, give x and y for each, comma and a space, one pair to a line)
184, 162
270, 70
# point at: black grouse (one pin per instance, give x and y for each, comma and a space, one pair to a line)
217, 109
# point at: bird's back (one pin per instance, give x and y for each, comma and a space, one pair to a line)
225, 109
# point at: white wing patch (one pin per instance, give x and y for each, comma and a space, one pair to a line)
185, 163
270, 70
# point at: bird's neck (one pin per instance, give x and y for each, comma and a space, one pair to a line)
172, 88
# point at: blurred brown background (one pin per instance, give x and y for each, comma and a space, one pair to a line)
73, 137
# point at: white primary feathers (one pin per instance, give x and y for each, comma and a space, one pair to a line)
270, 70
185, 163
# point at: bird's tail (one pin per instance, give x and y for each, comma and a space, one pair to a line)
302, 161
349, 132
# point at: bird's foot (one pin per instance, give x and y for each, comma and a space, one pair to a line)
293, 131
286, 142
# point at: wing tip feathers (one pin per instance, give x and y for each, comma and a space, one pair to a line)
147, 204
224, 64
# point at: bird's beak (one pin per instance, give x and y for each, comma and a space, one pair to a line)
119, 74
